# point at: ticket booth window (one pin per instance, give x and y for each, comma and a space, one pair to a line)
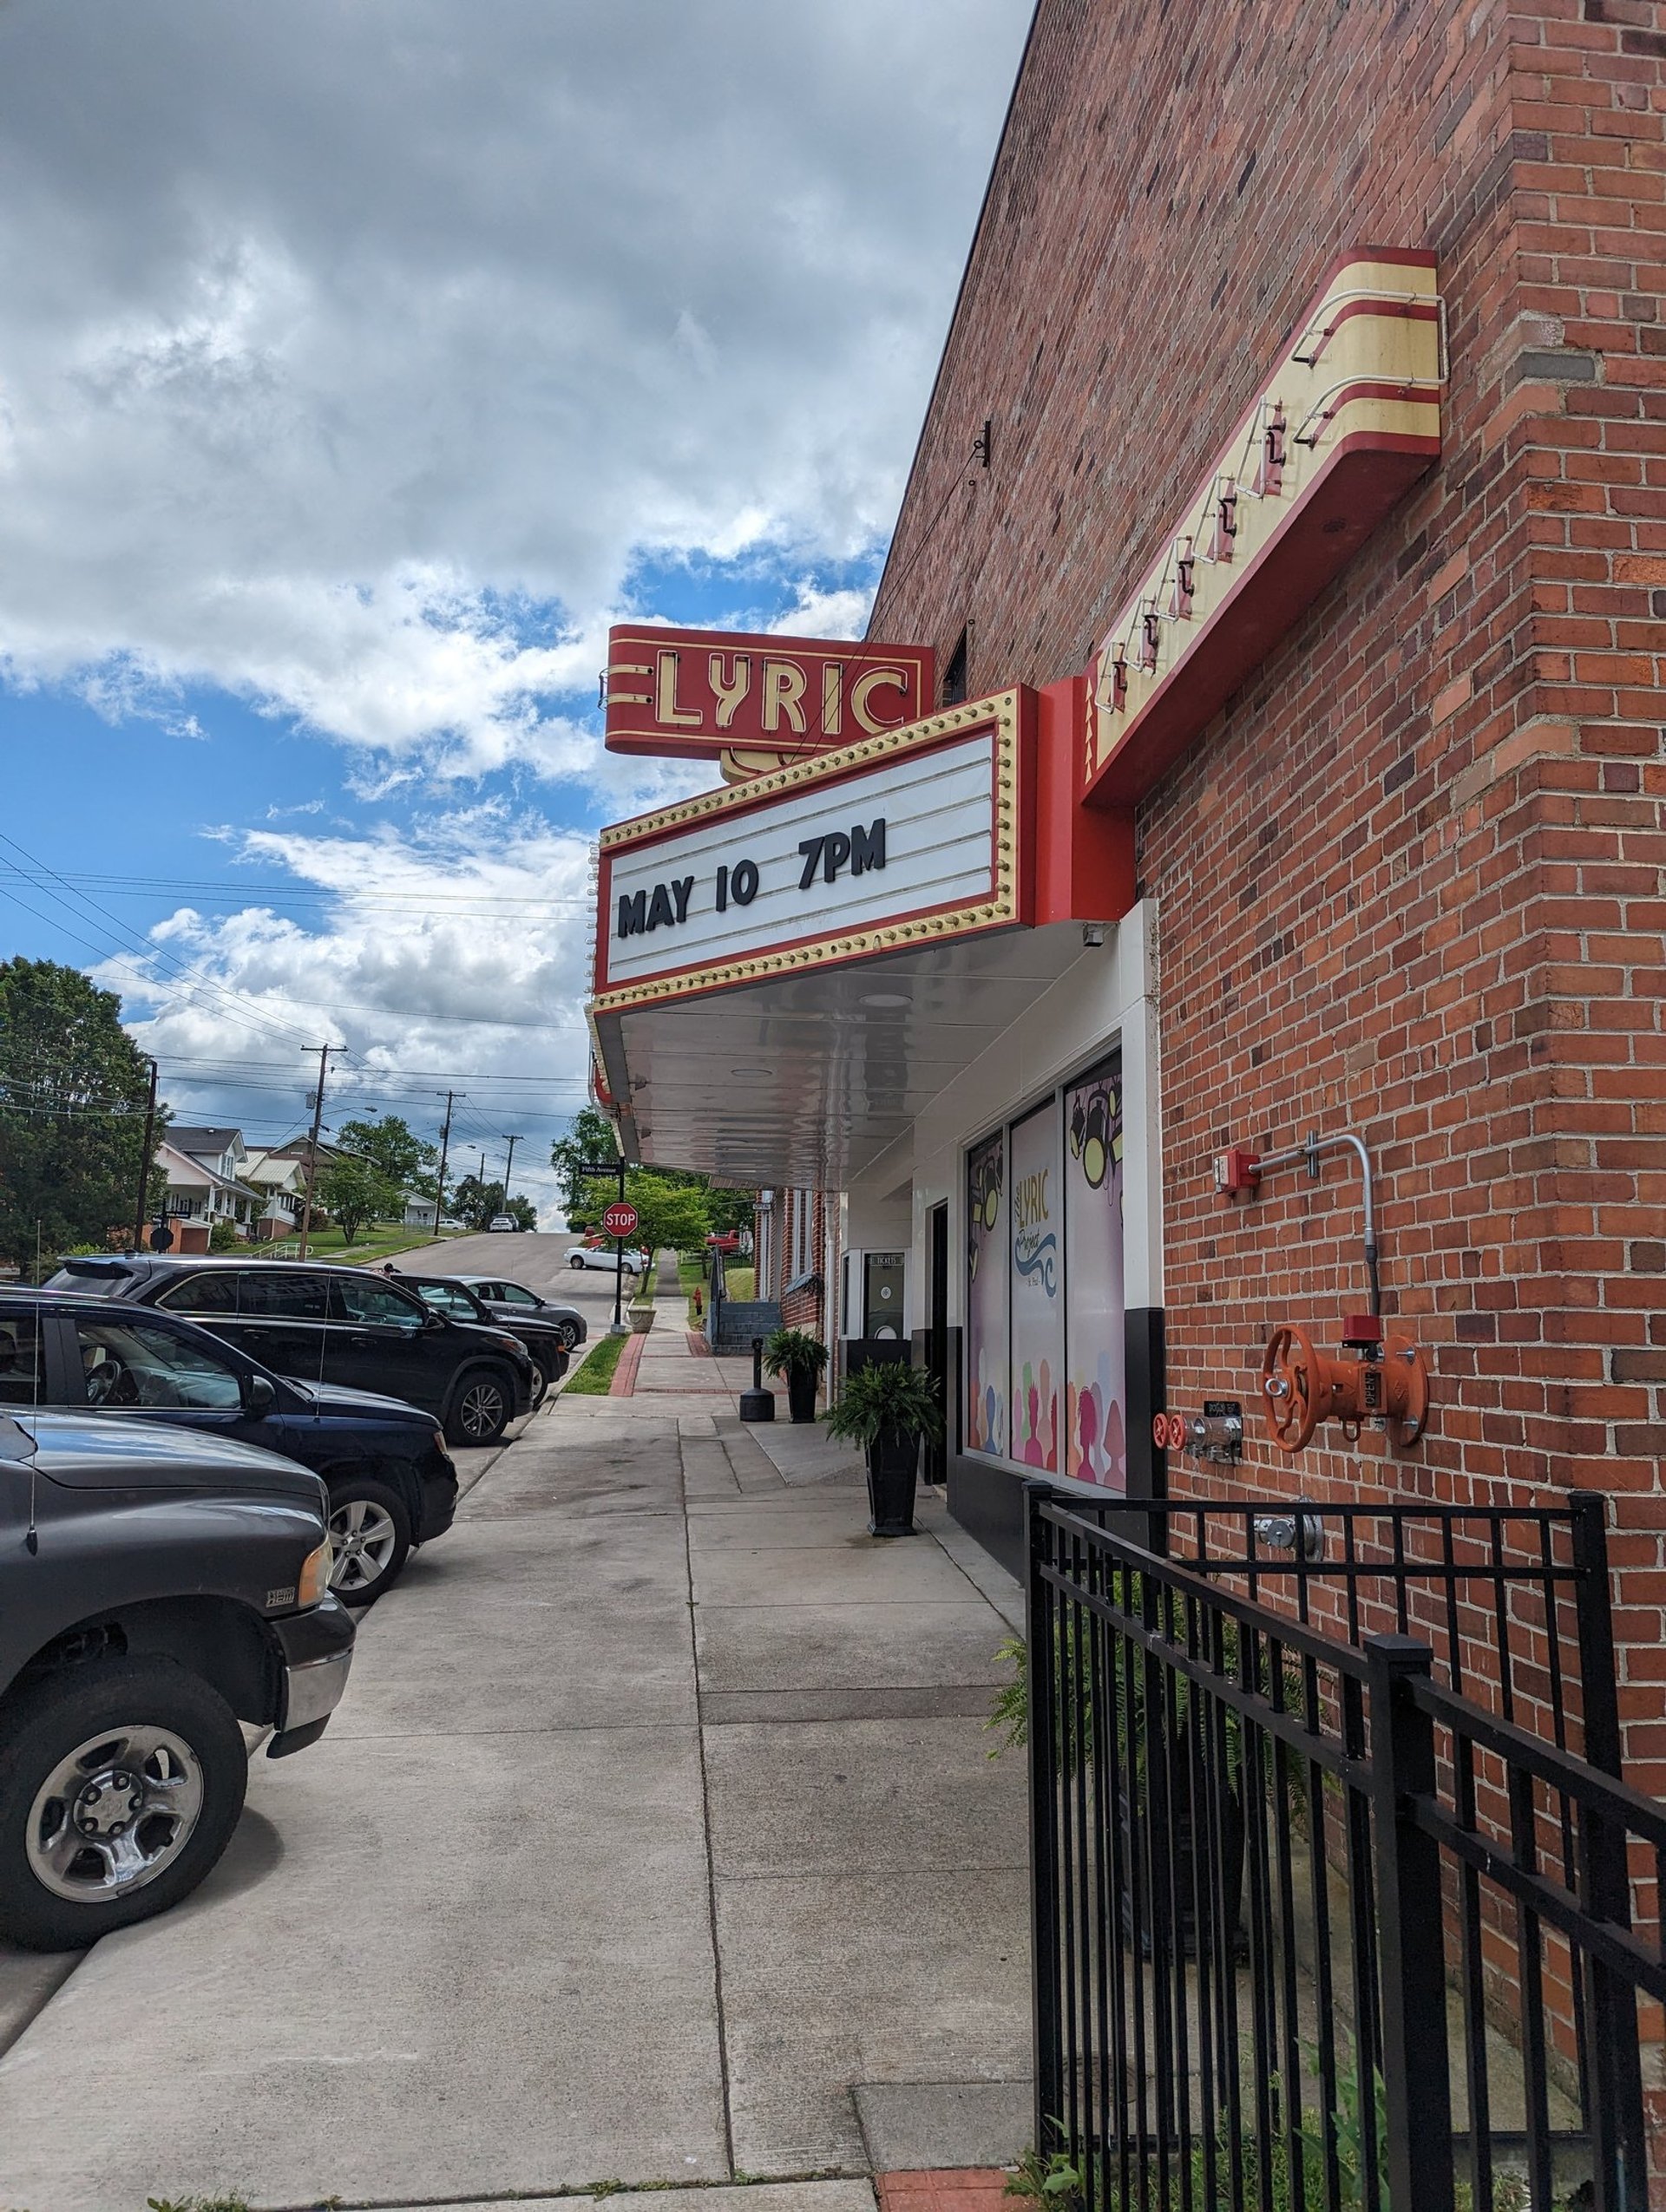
882, 1296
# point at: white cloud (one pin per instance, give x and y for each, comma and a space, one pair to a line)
343, 344
457, 956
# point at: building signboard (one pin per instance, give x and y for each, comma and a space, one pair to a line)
913, 836
1348, 419
705, 694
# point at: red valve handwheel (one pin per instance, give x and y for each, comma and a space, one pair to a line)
1295, 1386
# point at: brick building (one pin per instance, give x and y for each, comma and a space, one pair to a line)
1409, 879
1344, 826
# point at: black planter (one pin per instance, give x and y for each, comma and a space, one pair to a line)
801, 1393
892, 1464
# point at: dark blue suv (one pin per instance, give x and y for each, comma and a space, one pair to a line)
391, 1480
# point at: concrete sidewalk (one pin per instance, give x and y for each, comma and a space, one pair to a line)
656, 1841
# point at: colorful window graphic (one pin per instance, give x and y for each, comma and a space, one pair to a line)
1095, 1389
1045, 1362
1038, 1302
986, 1299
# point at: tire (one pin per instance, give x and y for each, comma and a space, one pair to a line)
158, 1716
540, 1384
370, 1526
574, 1260
474, 1415
570, 1334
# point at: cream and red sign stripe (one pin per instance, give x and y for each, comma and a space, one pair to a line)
703, 694
914, 837
1348, 419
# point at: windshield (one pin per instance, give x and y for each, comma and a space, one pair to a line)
134, 1363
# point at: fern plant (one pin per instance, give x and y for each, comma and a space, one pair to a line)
887, 1402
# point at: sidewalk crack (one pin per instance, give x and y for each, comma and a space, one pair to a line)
705, 1820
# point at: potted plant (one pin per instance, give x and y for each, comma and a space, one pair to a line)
801, 1357
887, 1407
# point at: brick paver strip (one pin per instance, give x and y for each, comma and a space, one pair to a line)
942, 2189
624, 1382
698, 1345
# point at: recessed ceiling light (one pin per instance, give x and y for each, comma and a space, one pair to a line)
884, 999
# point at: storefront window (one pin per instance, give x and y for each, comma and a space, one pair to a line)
987, 1362
1095, 1390
1044, 1380
1037, 1286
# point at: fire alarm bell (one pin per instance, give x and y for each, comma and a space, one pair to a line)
1236, 1171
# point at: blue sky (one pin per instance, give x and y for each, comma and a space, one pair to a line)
359, 367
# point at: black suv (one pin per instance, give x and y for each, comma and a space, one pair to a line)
156, 1589
545, 1338
392, 1482
332, 1325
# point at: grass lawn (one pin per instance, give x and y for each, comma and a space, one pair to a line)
379, 1243
739, 1282
594, 1375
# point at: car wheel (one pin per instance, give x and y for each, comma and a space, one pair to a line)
540, 1381
575, 1260
481, 1408
570, 1334
121, 1782
369, 1529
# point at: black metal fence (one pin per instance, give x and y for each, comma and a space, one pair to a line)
1315, 1926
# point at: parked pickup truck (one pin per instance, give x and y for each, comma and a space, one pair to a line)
157, 1588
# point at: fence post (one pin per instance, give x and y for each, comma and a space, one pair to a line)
1618, 2153
1415, 2061
1042, 1724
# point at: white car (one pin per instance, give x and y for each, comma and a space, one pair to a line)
500, 1221
602, 1256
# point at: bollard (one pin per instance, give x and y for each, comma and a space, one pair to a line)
757, 1403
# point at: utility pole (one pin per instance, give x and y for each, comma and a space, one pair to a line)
312, 1148
508, 1168
145, 1151
445, 1146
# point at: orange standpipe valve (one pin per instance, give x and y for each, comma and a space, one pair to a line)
1302, 1386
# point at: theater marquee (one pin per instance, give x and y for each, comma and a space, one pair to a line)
914, 836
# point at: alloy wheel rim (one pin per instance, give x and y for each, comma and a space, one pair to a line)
482, 1407
365, 1539
115, 1814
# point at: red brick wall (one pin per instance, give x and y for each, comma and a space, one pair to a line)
1411, 880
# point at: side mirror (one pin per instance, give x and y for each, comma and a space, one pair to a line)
433, 1321
258, 1396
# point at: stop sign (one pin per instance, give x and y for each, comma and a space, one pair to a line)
620, 1218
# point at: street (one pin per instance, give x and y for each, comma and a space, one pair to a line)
656, 1841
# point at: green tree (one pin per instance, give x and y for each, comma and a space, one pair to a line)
393, 1145
673, 1217
474, 1202
583, 1199
72, 1085
591, 1138
354, 1192
521, 1211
